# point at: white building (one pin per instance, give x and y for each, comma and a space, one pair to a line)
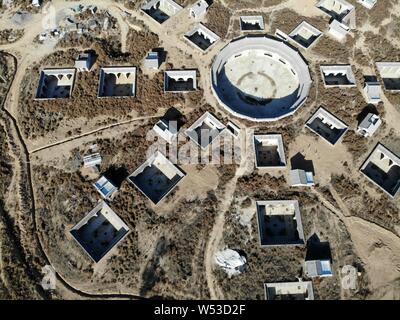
166, 129
318, 268
338, 30
369, 4
305, 35
160, 10
92, 160
105, 187
198, 9
372, 92
301, 178
369, 125
83, 62
152, 60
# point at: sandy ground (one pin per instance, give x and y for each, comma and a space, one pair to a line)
378, 248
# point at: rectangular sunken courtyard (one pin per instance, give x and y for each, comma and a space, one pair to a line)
279, 223
99, 231
161, 10
117, 82
338, 76
289, 291
251, 23
305, 34
326, 125
383, 168
55, 83
269, 151
156, 177
202, 37
180, 80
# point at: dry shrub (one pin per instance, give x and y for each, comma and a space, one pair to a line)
218, 18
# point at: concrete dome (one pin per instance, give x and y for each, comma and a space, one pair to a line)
260, 78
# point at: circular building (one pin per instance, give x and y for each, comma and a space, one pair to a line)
260, 78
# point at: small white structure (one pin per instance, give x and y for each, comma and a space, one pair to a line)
301, 178
156, 177
202, 37
382, 168
279, 223
338, 30
36, 3
99, 231
327, 126
83, 62
198, 9
231, 261
372, 92
117, 82
55, 83
369, 4
204, 130
302, 290
160, 10
369, 125
390, 74
269, 151
251, 23
166, 129
180, 80
318, 268
105, 187
152, 60
305, 35
338, 76
92, 160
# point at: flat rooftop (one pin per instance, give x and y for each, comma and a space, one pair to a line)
279, 223
99, 231
117, 82
269, 150
156, 177
382, 168
289, 291
55, 83
327, 126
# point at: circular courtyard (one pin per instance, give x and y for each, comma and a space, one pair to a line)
260, 78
